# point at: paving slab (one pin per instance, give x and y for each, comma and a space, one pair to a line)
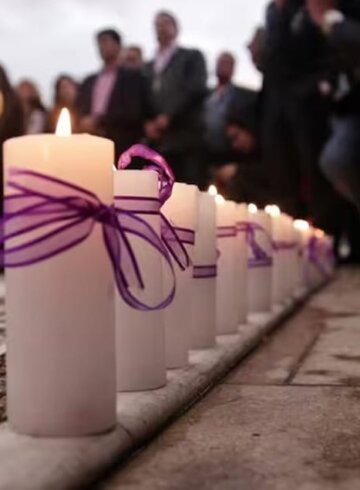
255, 438
286, 418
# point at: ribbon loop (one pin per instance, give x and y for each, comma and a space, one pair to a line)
158, 163
174, 238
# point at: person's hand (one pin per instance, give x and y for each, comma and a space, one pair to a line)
318, 8
163, 122
152, 130
225, 173
241, 139
88, 124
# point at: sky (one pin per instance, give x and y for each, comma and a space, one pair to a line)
41, 38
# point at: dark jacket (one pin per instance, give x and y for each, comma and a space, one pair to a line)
179, 91
241, 110
130, 106
296, 54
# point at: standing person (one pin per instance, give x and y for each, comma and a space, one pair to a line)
33, 107
11, 120
178, 78
133, 57
65, 94
295, 110
116, 102
219, 105
339, 22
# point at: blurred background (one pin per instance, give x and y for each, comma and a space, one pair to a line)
68, 27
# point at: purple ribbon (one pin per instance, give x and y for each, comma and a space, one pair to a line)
204, 271
225, 231
63, 215
174, 238
260, 257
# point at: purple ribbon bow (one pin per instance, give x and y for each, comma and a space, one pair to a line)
63, 215
260, 257
173, 237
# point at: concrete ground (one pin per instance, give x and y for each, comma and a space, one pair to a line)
287, 418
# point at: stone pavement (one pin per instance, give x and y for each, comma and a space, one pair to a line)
287, 418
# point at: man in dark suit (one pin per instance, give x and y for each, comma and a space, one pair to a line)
116, 102
221, 102
178, 79
295, 109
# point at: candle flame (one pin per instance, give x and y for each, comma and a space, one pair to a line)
319, 233
272, 210
63, 127
219, 199
252, 208
212, 190
301, 225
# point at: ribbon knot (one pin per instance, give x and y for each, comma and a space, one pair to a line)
46, 216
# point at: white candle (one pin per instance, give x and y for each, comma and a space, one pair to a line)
60, 312
181, 209
140, 335
304, 234
279, 272
242, 264
260, 276
204, 297
291, 256
226, 288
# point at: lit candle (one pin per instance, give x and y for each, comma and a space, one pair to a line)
140, 335
60, 312
204, 297
181, 209
242, 262
226, 288
303, 234
260, 262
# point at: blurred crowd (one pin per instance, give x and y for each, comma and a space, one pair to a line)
295, 143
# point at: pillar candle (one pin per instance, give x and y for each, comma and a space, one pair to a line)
140, 335
204, 297
279, 236
260, 277
60, 312
242, 264
227, 283
304, 234
291, 257
181, 210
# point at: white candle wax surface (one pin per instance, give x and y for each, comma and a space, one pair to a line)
181, 209
260, 278
60, 312
242, 216
204, 297
140, 335
226, 288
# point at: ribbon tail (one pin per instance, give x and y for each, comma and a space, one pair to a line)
174, 244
